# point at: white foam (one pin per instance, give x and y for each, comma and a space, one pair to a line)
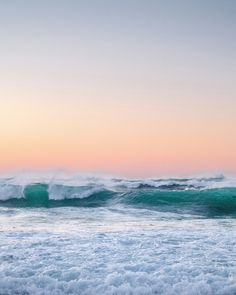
101, 251
61, 193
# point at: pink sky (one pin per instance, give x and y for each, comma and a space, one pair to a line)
141, 140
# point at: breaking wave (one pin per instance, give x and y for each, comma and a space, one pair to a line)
210, 196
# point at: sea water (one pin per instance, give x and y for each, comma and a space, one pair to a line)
83, 234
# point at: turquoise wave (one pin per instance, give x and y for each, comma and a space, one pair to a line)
210, 202
206, 202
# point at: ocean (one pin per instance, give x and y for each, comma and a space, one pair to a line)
90, 234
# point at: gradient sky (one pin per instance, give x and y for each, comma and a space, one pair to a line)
133, 87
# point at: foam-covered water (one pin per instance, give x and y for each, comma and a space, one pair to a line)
80, 234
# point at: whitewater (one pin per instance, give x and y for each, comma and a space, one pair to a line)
64, 233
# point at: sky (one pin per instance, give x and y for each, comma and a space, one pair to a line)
132, 87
